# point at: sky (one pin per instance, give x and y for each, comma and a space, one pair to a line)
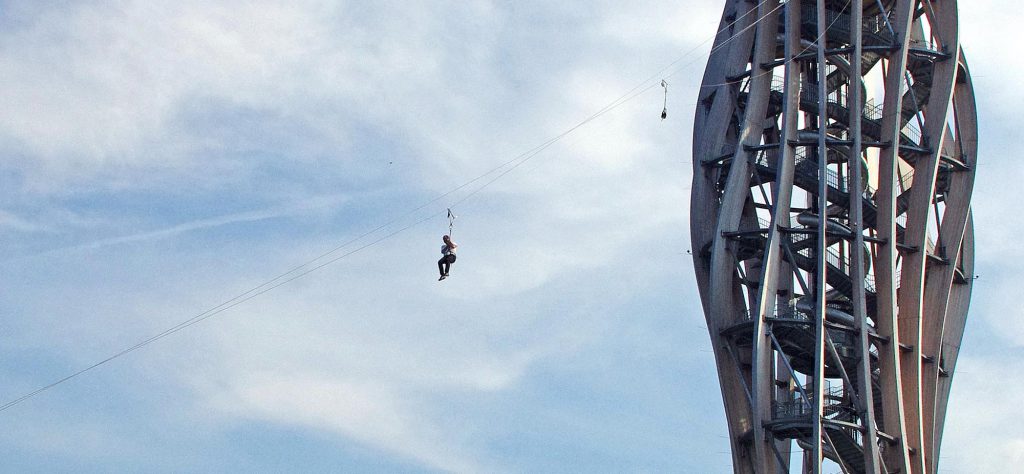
159, 158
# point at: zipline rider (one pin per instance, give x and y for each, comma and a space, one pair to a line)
447, 257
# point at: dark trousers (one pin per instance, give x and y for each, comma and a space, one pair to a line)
445, 263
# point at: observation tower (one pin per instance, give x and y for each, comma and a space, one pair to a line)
834, 147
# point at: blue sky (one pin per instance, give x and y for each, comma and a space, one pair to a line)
160, 158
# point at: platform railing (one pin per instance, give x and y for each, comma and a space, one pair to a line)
872, 111
797, 407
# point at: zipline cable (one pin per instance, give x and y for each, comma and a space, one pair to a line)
633, 93
769, 71
311, 266
208, 314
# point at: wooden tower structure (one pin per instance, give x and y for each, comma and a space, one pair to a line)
834, 151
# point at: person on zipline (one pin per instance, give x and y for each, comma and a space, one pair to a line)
447, 257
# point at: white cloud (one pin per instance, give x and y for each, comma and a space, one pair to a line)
362, 412
364, 348
104, 86
993, 304
334, 353
647, 22
306, 206
16, 223
983, 432
997, 223
984, 28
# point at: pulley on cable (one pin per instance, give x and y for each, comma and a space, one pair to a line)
451, 221
664, 107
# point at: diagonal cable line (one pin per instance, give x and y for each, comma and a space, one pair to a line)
328, 257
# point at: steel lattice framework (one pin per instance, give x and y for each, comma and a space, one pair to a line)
834, 151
